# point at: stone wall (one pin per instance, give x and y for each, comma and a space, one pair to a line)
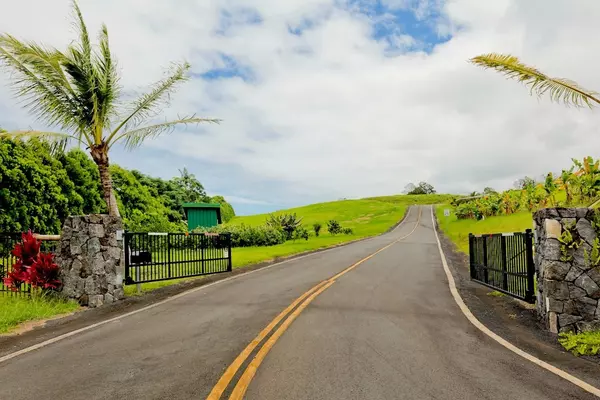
567, 279
91, 259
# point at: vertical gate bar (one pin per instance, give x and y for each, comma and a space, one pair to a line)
169, 254
503, 256
485, 259
530, 295
229, 263
126, 245
202, 245
471, 256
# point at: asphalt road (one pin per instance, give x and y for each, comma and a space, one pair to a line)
388, 329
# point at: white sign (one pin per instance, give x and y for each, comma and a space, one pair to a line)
225, 253
446, 213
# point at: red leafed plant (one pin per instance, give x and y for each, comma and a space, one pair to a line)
32, 267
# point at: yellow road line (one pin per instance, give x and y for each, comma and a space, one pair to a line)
221, 385
244, 381
242, 385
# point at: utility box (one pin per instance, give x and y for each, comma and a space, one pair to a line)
202, 215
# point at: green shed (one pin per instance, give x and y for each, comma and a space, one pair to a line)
202, 214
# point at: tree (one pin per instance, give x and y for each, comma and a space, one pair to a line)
558, 89
227, 211
489, 191
191, 189
77, 91
423, 188
409, 188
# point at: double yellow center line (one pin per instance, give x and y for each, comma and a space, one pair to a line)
297, 306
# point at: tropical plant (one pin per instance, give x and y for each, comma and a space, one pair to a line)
565, 181
334, 227
77, 91
558, 89
32, 267
288, 223
588, 178
550, 188
317, 228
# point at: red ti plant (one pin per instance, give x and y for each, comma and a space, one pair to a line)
32, 267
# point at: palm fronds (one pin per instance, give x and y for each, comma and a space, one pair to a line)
558, 89
136, 137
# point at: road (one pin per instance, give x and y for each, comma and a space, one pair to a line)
386, 329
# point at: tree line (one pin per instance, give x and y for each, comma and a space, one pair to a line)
39, 189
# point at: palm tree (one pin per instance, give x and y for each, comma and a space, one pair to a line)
559, 90
77, 92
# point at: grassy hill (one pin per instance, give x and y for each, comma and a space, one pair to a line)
367, 217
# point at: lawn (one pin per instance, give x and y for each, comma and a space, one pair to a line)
15, 310
458, 230
367, 217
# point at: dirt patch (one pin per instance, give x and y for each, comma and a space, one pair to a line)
514, 320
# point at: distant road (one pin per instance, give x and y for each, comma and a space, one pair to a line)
386, 329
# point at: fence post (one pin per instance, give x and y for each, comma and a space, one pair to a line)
169, 253
504, 266
485, 259
127, 256
230, 264
530, 294
203, 239
472, 256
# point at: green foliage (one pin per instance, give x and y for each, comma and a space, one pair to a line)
592, 258
585, 343
301, 233
347, 231
334, 227
288, 223
35, 190
568, 243
15, 310
249, 236
317, 228
421, 188
38, 190
227, 212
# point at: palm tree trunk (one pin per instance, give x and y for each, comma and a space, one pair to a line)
100, 157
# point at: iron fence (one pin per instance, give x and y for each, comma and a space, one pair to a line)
151, 257
504, 262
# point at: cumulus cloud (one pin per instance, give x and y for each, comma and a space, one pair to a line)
319, 100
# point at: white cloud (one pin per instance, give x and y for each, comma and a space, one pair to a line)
329, 113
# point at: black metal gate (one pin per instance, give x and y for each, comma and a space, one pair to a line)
151, 257
504, 262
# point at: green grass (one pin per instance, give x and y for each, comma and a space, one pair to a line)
367, 217
585, 343
15, 310
457, 230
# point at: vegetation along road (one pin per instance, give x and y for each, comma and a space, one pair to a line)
372, 320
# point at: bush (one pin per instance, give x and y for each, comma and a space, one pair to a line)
32, 267
248, 236
288, 223
347, 231
334, 227
301, 233
317, 228
586, 343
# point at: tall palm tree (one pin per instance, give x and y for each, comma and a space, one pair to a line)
77, 92
559, 90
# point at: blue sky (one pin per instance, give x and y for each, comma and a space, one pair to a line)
329, 99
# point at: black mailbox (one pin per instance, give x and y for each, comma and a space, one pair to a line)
141, 257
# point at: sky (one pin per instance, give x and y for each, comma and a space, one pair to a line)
329, 99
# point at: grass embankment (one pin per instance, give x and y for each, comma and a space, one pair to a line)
367, 217
457, 230
15, 310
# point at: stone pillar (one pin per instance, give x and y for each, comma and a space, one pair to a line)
91, 259
567, 278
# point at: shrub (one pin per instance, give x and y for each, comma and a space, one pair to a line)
301, 233
586, 343
288, 223
247, 236
347, 231
32, 267
334, 227
317, 228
